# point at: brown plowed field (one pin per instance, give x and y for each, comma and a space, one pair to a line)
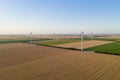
32, 62
87, 44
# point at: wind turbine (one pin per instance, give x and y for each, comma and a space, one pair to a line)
31, 40
92, 36
82, 40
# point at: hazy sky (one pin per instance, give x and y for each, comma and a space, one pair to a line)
59, 16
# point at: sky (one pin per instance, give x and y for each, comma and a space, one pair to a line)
59, 16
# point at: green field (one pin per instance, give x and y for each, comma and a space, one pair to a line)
112, 48
55, 42
105, 39
21, 40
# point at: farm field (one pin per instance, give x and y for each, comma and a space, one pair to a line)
16, 53
87, 44
55, 42
112, 48
57, 37
113, 37
20, 61
38, 39
106, 39
19, 39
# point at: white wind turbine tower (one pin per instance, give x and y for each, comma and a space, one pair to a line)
92, 36
31, 40
82, 40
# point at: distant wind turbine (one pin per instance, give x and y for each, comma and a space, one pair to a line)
31, 38
82, 40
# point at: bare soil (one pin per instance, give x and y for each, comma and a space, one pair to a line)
32, 62
87, 44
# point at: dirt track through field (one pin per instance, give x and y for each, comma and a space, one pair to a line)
32, 62
87, 44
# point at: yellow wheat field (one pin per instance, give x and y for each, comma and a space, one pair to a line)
87, 44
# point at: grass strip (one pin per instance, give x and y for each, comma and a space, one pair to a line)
21, 41
111, 48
